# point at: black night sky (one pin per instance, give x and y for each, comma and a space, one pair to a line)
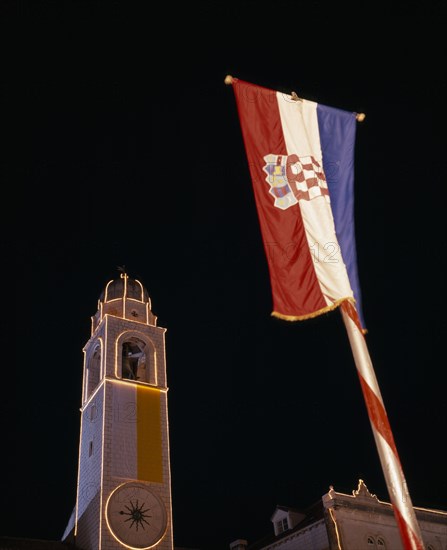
123, 147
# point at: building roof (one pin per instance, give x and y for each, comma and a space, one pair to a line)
14, 543
312, 514
360, 499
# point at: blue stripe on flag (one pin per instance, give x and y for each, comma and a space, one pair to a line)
337, 137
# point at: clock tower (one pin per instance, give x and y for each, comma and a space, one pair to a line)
124, 486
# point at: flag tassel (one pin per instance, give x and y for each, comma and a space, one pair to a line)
360, 117
397, 487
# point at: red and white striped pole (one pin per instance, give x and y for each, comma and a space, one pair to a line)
391, 466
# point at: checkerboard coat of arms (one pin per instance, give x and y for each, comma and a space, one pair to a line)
293, 178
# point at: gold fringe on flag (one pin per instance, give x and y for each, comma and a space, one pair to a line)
314, 314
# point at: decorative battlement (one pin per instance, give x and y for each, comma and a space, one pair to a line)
363, 492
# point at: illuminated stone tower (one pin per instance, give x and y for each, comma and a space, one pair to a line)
124, 486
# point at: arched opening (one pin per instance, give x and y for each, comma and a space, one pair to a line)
378, 543
93, 369
137, 360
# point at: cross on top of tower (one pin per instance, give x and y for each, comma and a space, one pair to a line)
122, 270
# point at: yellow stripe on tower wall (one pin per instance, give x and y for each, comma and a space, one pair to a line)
149, 440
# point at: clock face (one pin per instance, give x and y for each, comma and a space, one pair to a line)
136, 516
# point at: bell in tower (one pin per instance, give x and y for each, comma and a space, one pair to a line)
124, 484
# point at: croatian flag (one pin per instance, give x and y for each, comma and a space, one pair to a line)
301, 161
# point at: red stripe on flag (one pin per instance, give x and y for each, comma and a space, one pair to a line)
295, 288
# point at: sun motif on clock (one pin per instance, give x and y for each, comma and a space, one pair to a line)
136, 516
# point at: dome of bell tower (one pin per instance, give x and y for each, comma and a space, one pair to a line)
127, 298
124, 287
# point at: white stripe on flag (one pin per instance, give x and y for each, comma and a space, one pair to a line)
300, 129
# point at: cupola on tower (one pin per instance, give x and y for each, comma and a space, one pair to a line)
124, 485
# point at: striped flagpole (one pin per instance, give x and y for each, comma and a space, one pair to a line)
391, 466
